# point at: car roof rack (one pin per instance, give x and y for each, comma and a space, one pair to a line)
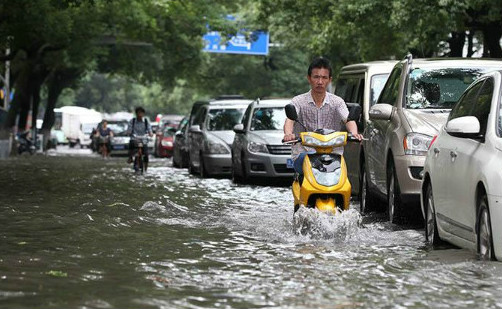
409, 58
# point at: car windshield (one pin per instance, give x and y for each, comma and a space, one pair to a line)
117, 127
377, 83
438, 87
268, 118
224, 119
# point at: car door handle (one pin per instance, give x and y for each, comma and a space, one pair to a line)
436, 150
453, 154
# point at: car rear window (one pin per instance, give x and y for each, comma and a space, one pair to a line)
268, 118
438, 87
224, 119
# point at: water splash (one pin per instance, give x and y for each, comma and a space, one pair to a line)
318, 225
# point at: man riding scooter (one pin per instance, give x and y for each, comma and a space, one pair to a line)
317, 109
139, 126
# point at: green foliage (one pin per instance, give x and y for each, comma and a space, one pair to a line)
281, 74
113, 93
349, 31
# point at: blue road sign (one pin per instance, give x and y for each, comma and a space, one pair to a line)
257, 45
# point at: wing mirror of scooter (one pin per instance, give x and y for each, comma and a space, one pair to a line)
291, 112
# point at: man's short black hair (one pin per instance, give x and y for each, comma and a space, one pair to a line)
139, 109
320, 63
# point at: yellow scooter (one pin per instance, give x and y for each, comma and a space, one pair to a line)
324, 184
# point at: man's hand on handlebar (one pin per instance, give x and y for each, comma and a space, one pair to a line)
357, 136
289, 137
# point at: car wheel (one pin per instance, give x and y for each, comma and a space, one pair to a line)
202, 168
191, 168
176, 163
431, 228
236, 178
394, 206
365, 196
245, 176
485, 239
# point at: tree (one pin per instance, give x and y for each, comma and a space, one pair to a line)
146, 40
350, 31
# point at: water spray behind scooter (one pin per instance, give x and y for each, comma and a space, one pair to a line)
318, 225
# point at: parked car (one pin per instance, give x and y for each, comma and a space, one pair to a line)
180, 152
164, 143
413, 105
257, 149
211, 136
461, 193
120, 140
172, 121
360, 84
182, 137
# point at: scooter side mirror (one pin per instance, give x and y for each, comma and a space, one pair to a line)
291, 112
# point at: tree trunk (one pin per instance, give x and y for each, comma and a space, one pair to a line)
470, 43
57, 81
54, 90
456, 42
491, 40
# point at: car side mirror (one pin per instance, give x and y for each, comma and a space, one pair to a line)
239, 128
467, 126
380, 112
195, 128
291, 112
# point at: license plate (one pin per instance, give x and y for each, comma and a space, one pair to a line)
289, 163
119, 147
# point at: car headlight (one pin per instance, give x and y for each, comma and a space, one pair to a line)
314, 142
257, 147
166, 143
327, 179
417, 144
214, 147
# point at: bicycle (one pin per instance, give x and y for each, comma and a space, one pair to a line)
139, 143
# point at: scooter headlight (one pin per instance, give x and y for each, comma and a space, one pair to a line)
327, 179
314, 142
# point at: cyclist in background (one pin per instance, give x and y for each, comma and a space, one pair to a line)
138, 126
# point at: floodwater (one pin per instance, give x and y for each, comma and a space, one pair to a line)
81, 232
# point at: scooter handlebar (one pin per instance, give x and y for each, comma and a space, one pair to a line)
298, 140
352, 138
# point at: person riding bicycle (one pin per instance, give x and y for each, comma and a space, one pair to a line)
139, 126
104, 135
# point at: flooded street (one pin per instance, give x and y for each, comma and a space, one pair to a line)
80, 232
